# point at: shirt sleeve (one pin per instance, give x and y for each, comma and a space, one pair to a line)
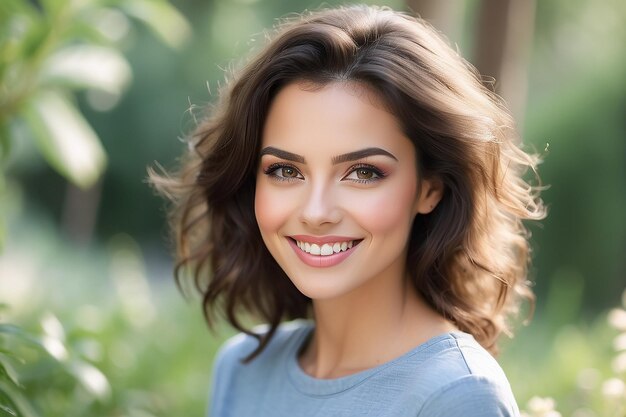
471, 396
224, 369
218, 386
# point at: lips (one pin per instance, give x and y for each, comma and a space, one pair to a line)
323, 251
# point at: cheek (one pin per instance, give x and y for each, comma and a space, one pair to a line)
270, 214
389, 211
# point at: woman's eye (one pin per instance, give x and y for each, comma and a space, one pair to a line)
283, 172
288, 172
364, 174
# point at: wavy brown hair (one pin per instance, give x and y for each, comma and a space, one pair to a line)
468, 258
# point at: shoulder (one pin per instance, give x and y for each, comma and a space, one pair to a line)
238, 347
471, 396
468, 381
229, 365
232, 379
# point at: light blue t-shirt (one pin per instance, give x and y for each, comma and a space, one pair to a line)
450, 375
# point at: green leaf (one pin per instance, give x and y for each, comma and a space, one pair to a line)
165, 20
6, 411
101, 25
86, 66
88, 32
24, 408
36, 31
7, 369
10, 328
20, 333
91, 378
65, 138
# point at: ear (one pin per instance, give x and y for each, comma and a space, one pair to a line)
430, 195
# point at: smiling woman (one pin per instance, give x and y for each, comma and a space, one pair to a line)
357, 175
328, 177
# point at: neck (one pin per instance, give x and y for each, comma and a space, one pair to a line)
367, 328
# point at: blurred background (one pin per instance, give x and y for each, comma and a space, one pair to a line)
92, 92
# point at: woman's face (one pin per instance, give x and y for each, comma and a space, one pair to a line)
336, 189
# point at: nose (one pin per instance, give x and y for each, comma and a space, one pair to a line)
320, 207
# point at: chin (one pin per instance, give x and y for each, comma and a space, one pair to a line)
324, 287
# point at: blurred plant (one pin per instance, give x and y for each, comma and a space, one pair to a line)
541, 407
591, 397
33, 367
50, 49
614, 388
107, 341
102, 364
13, 401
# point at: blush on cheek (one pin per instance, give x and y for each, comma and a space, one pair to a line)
260, 208
384, 211
267, 210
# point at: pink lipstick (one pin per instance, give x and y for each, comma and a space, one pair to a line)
318, 260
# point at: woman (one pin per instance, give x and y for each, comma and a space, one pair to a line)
356, 174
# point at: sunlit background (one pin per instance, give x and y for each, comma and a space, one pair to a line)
92, 92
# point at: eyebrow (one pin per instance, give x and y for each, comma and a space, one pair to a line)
363, 153
270, 150
346, 157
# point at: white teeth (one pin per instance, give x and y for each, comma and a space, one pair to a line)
315, 250
326, 249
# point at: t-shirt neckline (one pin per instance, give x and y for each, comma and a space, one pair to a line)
312, 386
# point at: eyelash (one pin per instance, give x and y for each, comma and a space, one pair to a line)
379, 174
270, 171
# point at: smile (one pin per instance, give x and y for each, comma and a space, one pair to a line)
325, 249
323, 252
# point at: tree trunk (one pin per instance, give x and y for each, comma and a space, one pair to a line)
444, 15
504, 35
80, 211
503, 39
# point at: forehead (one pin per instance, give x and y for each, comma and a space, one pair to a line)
339, 116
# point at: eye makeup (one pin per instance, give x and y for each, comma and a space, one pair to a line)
360, 173
370, 172
283, 172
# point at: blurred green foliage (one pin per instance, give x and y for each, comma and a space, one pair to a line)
52, 48
577, 104
112, 344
